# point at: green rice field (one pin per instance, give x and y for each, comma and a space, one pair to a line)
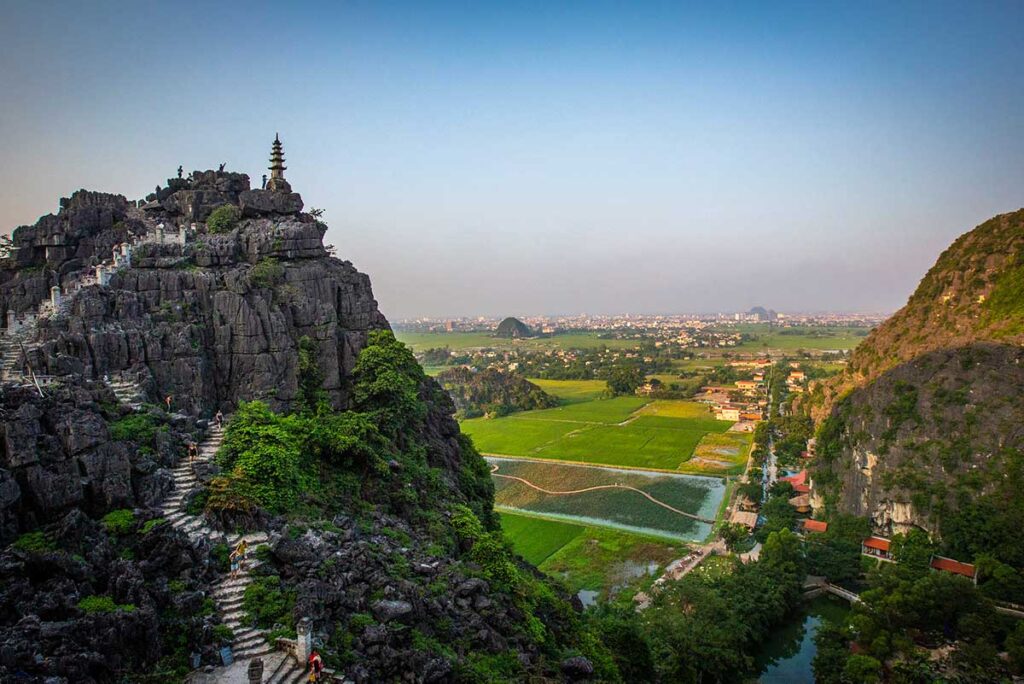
572, 391
621, 432
609, 497
598, 561
801, 337
536, 539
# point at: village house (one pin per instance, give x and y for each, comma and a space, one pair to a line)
801, 502
877, 547
727, 413
747, 385
746, 518
817, 526
943, 564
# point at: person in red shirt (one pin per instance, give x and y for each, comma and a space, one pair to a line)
315, 665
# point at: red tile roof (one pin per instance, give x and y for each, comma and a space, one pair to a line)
815, 525
954, 566
877, 543
802, 489
798, 479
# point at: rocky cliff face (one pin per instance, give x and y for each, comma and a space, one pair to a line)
904, 449
974, 292
930, 403
391, 549
212, 322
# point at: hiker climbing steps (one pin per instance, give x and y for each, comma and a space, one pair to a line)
228, 593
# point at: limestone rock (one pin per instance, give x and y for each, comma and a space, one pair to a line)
262, 202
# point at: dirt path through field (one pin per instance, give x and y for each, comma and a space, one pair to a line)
495, 473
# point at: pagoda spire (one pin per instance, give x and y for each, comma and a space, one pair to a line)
277, 167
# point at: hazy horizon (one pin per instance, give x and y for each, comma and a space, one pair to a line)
482, 159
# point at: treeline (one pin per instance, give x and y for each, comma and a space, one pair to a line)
913, 624
492, 392
706, 628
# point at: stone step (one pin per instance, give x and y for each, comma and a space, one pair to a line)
244, 633
234, 582
236, 591
254, 652
249, 641
182, 521
193, 525
235, 613
232, 604
294, 674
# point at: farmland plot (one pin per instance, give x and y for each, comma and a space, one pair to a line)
651, 503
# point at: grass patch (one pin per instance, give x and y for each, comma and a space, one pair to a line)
103, 604
624, 432
537, 538
34, 542
572, 391
121, 521
607, 560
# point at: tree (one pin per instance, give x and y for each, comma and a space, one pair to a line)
862, 669
223, 219
386, 383
311, 378
625, 380
732, 534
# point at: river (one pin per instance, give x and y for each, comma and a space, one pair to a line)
787, 654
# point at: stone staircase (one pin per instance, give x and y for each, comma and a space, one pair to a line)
287, 671
228, 593
10, 355
127, 392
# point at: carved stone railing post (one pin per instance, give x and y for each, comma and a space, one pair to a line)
304, 640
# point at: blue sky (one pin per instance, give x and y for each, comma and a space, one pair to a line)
517, 158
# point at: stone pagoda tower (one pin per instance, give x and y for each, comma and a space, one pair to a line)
277, 167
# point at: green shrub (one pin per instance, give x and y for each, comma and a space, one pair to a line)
140, 428
221, 554
121, 521
103, 604
36, 542
266, 602
223, 634
148, 526
223, 219
360, 621
266, 273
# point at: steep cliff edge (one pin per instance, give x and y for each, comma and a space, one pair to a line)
378, 517
973, 293
210, 319
927, 415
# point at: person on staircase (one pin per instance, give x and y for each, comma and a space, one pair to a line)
315, 665
219, 419
193, 454
236, 563
241, 549
167, 400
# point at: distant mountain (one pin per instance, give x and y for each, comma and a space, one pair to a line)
923, 426
513, 328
